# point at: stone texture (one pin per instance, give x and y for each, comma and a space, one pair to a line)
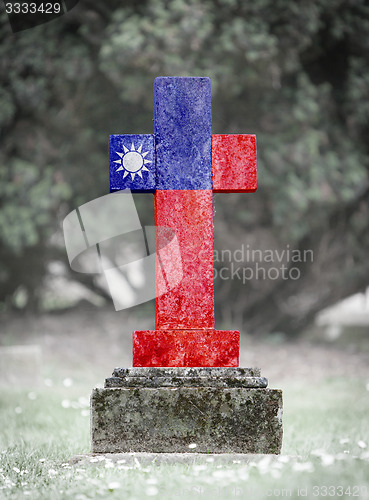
182, 121
178, 348
250, 382
132, 162
186, 372
190, 377
234, 163
191, 304
168, 420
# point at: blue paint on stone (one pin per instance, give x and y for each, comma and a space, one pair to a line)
132, 162
182, 119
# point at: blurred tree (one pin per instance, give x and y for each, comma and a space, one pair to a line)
296, 74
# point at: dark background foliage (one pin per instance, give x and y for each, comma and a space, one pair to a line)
294, 73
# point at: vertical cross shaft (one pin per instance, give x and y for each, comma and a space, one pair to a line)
183, 198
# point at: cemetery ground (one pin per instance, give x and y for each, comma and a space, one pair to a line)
44, 425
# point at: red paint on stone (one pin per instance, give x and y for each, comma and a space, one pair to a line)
168, 260
190, 305
185, 348
233, 162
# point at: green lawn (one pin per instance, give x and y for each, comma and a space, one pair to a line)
325, 451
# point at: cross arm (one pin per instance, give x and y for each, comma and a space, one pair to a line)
132, 162
233, 159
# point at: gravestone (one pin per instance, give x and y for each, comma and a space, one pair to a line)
185, 391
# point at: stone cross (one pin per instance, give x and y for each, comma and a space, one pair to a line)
184, 164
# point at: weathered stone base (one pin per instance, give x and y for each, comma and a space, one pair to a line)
216, 415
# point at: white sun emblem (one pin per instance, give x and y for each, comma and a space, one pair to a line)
132, 162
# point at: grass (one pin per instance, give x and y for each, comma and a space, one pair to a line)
325, 451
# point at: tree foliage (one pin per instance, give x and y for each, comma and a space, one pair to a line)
294, 73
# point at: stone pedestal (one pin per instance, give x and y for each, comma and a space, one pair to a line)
170, 410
